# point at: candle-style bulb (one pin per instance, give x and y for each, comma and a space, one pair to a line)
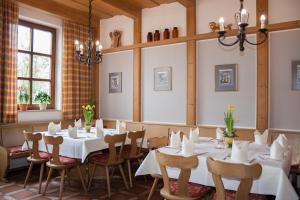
244, 16
76, 42
97, 42
221, 23
262, 21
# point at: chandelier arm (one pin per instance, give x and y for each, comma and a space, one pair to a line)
258, 43
230, 44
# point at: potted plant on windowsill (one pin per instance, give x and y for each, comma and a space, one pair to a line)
229, 133
23, 98
43, 99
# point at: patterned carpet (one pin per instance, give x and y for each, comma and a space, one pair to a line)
13, 190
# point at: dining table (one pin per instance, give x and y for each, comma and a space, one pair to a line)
273, 180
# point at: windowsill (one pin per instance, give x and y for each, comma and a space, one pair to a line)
48, 110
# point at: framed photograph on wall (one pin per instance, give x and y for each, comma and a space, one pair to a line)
226, 77
163, 79
115, 82
296, 75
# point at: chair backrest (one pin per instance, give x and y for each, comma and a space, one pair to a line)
157, 142
185, 164
134, 138
54, 142
246, 174
112, 141
170, 131
32, 142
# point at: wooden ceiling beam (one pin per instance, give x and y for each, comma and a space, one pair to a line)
61, 10
163, 1
187, 3
119, 7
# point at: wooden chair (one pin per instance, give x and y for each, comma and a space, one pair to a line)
155, 143
111, 159
246, 174
36, 157
180, 189
60, 163
133, 152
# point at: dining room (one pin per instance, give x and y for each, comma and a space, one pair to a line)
150, 99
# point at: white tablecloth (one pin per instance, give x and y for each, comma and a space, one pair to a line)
273, 180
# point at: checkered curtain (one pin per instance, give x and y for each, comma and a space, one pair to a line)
8, 60
77, 88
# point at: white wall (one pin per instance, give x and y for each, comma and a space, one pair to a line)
41, 17
119, 22
164, 16
117, 105
164, 106
212, 10
211, 104
284, 102
282, 11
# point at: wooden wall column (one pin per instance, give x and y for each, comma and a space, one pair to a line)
137, 70
191, 65
262, 71
95, 74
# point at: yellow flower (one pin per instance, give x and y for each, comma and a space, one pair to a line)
83, 107
230, 108
93, 106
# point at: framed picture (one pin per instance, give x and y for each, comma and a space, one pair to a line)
115, 82
163, 79
296, 75
226, 77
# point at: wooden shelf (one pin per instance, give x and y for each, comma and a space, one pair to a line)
204, 36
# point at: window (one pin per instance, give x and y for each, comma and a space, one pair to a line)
36, 60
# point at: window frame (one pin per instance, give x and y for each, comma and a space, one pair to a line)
31, 53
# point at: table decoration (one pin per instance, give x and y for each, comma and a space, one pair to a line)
261, 138
175, 140
88, 113
239, 151
229, 133
43, 99
276, 151
194, 134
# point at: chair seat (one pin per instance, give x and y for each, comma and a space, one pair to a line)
67, 160
194, 190
43, 155
102, 159
230, 195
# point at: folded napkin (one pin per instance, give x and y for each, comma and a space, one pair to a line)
52, 128
239, 152
175, 140
261, 138
78, 124
72, 131
187, 146
120, 127
99, 124
219, 134
194, 134
276, 151
283, 141
99, 132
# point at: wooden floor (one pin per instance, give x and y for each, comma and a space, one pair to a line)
13, 190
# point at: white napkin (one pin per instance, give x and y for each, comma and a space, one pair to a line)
175, 139
99, 132
120, 127
239, 152
219, 134
283, 141
261, 138
72, 131
78, 124
187, 146
276, 151
99, 124
25, 146
194, 134
52, 128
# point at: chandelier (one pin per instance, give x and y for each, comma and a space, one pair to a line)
242, 18
91, 57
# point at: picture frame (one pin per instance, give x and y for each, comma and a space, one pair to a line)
115, 82
163, 79
226, 78
296, 75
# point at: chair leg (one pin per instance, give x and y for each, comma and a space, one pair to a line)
153, 188
129, 173
123, 176
81, 178
41, 177
108, 181
48, 179
69, 177
28, 174
62, 181
91, 178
